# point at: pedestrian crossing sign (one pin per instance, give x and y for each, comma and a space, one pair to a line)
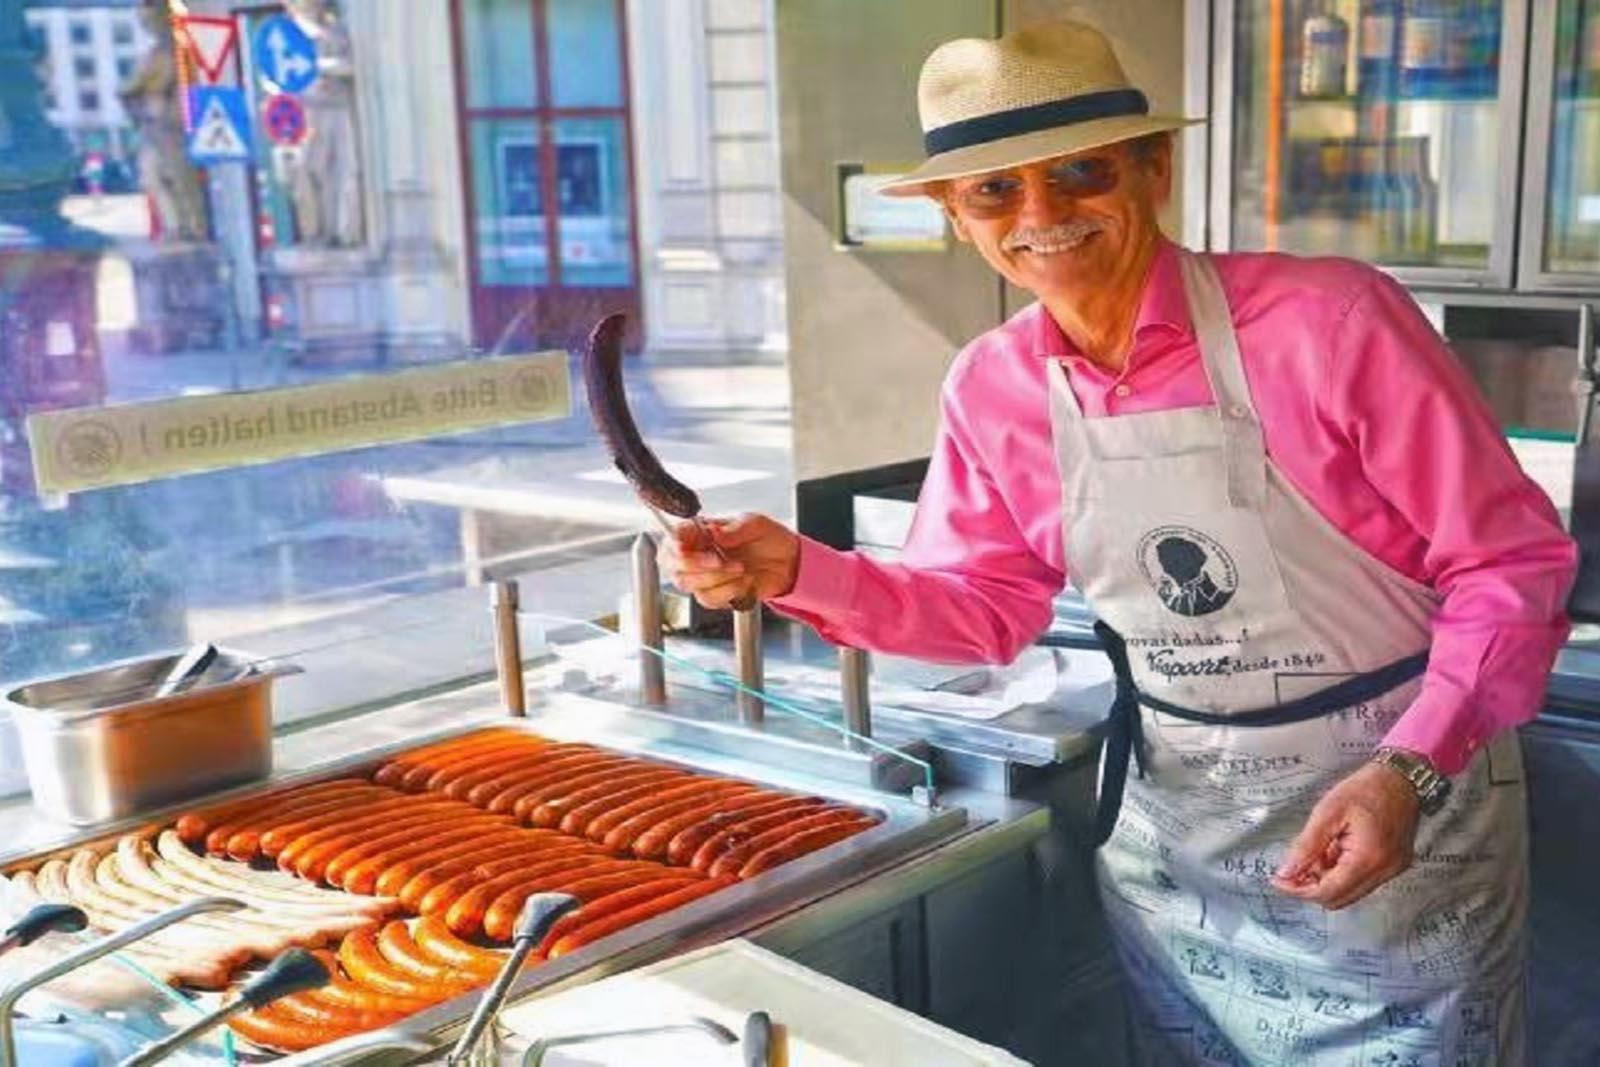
219, 125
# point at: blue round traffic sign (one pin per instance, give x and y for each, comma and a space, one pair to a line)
285, 55
285, 119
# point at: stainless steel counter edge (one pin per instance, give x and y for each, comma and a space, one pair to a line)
1009, 828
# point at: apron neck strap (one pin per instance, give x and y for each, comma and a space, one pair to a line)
1244, 446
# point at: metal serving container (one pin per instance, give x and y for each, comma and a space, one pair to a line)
100, 746
907, 830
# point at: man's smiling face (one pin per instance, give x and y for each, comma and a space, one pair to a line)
1060, 226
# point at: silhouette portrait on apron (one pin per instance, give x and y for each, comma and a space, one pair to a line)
1187, 588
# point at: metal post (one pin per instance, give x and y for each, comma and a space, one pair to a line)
747, 651
855, 669
647, 611
504, 601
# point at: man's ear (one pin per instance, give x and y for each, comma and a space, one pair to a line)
1159, 164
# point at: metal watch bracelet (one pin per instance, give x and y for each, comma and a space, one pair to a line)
1432, 788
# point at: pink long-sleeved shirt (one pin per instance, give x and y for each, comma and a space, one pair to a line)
1365, 411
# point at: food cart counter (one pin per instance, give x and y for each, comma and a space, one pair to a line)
935, 905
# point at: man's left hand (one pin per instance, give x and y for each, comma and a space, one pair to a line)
1358, 837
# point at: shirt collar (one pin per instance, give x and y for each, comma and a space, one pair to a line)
1162, 306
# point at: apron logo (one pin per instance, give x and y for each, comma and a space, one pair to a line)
1190, 572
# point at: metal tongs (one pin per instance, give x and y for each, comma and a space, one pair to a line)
539, 913
294, 971
534, 1057
103, 947
186, 669
756, 1043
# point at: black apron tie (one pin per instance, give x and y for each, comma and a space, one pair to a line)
1125, 726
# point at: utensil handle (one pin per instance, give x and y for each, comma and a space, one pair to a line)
44, 919
190, 666
293, 972
539, 913
757, 1043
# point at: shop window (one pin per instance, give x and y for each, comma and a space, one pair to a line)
585, 54
513, 248
356, 557
499, 36
551, 192
592, 191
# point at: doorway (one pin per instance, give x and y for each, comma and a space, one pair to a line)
546, 150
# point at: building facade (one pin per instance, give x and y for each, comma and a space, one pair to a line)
527, 166
88, 51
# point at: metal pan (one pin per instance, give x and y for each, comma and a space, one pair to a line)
907, 829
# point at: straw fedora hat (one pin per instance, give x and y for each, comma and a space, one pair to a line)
1037, 92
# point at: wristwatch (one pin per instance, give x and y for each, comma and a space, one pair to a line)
1433, 788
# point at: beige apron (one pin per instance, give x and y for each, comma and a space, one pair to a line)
1232, 593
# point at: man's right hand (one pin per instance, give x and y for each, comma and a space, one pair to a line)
762, 559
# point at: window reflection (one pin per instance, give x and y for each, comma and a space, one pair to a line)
469, 180
1370, 128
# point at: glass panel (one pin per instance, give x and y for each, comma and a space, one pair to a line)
498, 36
585, 53
592, 188
135, 285
1573, 220
1364, 126
509, 202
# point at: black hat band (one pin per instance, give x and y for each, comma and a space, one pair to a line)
1106, 104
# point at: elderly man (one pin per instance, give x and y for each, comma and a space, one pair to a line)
1327, 589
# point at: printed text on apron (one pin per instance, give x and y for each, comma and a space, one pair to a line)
1231, 593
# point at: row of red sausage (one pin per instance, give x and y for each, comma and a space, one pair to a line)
462, 832
630, 806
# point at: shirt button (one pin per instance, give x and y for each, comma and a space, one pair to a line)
1123, 390
1238, 411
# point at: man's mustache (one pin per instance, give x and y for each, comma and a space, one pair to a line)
1066, 233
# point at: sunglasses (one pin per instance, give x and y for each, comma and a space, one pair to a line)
1002, 194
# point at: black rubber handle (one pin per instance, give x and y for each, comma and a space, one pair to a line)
757, 1043
293, 972
540, 912
44, 919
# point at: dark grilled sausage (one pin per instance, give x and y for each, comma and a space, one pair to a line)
608, 406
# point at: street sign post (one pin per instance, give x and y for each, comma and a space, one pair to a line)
285, 55
221, 125
210, 41
284, 119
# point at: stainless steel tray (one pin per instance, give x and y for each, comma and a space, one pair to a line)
907, 829
101, 745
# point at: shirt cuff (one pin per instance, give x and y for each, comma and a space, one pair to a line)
1444, 729
824, 584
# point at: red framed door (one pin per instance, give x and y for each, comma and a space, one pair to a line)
546, 150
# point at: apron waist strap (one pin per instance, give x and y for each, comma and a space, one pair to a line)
1125, 735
